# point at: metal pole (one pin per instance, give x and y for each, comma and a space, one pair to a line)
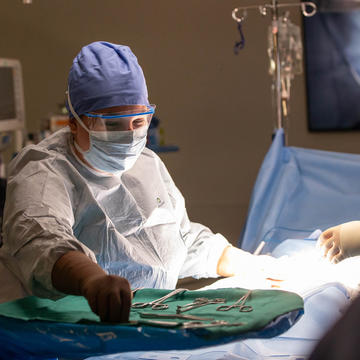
277, 73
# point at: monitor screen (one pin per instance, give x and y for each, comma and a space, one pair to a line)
12, 105
7, 94
332, 49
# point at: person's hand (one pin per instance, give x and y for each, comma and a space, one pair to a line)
329, 244
109, 296
341, 241
234, 261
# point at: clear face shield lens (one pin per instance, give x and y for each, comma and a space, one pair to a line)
122, 121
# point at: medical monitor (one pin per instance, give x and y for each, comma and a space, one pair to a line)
12, 109
332, 58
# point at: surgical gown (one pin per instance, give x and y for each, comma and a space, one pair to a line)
134, 225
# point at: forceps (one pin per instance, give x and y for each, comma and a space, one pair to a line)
135, 290
238, 304
199, 324
198, 303
174, 316
158, 304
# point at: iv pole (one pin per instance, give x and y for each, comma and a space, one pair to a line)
308, 9
280, 110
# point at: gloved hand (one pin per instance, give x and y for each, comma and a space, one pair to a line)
234, 261
341, 241
109, 296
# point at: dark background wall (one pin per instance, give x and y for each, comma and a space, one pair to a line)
214, 105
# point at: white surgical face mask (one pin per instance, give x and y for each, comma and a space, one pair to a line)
112, 151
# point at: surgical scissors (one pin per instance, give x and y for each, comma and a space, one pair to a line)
198, 302
158, 304
238, 304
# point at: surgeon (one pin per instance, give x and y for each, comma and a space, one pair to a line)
91, 211
340, 242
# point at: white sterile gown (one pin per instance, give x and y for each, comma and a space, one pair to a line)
134, 225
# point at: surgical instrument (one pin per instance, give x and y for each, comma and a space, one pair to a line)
198, 324
135, 290
168, 324
158, 304
259, 248
174, 316
198, 302
238, 304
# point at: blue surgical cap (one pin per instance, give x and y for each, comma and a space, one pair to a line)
105, 75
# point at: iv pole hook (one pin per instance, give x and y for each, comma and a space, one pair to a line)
305, 8
241, 18
308, 8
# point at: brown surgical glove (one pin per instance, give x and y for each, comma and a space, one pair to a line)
109, 296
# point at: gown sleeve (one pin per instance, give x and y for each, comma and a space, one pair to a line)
204, 248
38, 219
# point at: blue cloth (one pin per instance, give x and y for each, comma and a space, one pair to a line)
105, 75
323, 306
20, 339
300, 190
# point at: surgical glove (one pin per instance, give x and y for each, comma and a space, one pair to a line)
341, 241
234, 261
109, 296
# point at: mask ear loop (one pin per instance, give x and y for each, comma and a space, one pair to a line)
73, 112
77, 117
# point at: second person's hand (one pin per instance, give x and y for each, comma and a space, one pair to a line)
341, 241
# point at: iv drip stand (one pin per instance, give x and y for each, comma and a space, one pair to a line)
308, 9
275, 34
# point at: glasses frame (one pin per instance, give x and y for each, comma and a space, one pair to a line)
122, 115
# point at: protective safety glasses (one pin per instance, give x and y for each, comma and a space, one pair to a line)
122, 121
